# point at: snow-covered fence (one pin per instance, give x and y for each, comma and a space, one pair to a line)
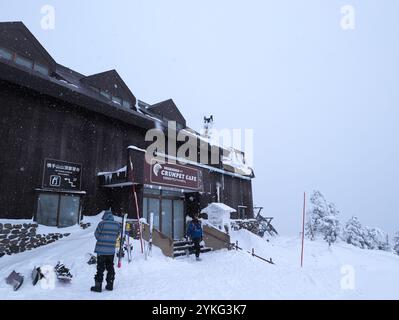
252, 252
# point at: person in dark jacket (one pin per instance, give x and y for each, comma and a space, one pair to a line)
194, 232
106, 234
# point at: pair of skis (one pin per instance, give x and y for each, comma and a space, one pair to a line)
122, 237
150, 233
122, 241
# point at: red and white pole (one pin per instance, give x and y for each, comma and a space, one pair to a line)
137, 203
303, 226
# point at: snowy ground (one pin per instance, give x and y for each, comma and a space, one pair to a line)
220, 275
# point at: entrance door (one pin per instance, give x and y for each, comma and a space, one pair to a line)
153, 206
167, 217
168, 210
178, 221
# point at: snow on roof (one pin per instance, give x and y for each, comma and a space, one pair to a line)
218, 206
137, 148
123, 169
235, 161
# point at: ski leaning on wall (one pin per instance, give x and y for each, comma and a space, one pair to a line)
121, 241
150, 234
129, 246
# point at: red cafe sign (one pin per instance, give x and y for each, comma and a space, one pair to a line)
172, 175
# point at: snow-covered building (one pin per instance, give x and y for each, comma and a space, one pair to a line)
69, 143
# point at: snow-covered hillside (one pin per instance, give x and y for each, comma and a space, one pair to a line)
220, 275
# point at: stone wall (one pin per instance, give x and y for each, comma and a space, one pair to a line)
17, 238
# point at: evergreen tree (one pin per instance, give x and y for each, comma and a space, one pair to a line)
354, 233
396, 242
331, 228
316, 214
376, 239
322, 219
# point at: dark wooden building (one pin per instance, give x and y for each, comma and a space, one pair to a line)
67, 143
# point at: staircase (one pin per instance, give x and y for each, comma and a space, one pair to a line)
180, 248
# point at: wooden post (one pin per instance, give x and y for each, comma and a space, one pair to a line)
303, 226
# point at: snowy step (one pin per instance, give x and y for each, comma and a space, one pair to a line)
191, 251
178, 249
181, 243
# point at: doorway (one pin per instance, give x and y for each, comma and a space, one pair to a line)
168, 209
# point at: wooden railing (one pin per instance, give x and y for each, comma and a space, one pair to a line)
215, 238
158, 239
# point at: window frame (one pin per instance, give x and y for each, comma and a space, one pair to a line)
42, 67
59, 197
23, 58
7, 52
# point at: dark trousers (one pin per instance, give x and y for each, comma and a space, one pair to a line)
197, 247
105, 263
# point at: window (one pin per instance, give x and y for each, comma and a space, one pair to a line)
127, 104
154, 206
178, 219
6, 54
242, 212
168, 214
57, 210
117, 100
41, 68
105, 94
25, 62
69, 211
95, 89
47, 208
167, 217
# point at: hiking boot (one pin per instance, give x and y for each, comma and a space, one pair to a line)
109, 286
198, 258
97, 287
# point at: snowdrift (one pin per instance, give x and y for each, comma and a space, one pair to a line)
220, 275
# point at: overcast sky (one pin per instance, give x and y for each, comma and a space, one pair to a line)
322, 101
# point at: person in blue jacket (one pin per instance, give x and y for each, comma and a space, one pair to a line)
194, 232
106, 234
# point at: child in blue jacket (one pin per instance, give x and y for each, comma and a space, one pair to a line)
194, 232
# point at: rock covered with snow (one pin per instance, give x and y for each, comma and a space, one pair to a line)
21, 237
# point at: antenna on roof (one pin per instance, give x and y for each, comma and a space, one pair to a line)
208, 125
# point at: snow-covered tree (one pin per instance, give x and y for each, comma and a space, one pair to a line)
365, 237
316, 214
322, 219
354, 233
331, 229
396, 242
376, 239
